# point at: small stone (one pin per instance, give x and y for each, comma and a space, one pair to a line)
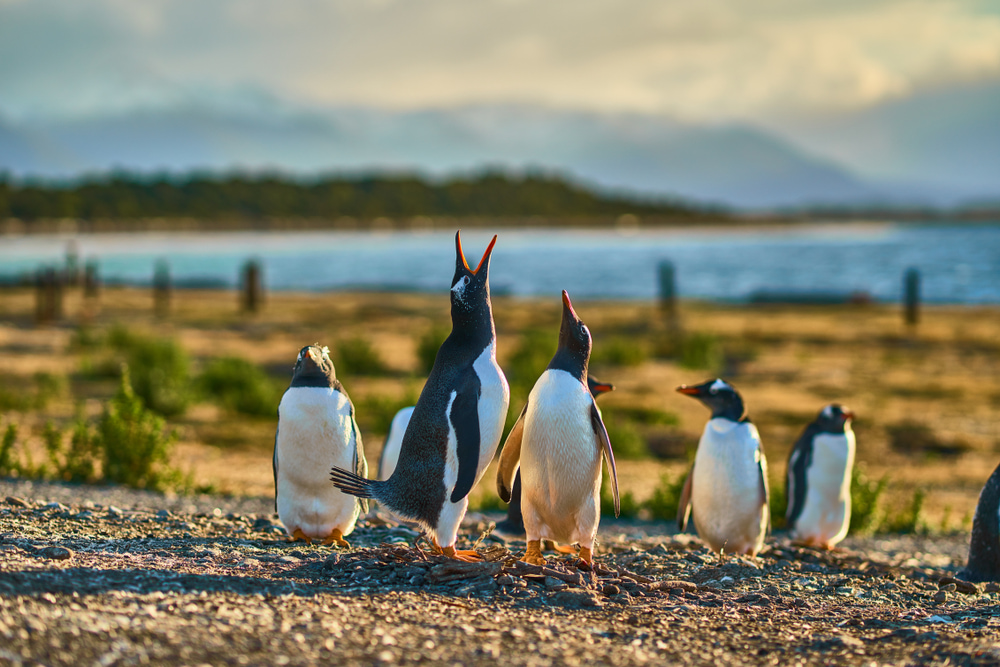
14, 501
163, 514
54, 506
262, 523
771, 591
55, 553
941, 596
611, 589
289, 559
949, 588
576, 598
992, 587
114, 511
505, 580
554, 584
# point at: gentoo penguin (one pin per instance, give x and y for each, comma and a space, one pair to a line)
512, 528
393, 439
726, 489
316, 429
984, 546
457, 422
557, 442
819, 479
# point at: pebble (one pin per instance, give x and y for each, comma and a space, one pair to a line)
941, 596
16, 502
53, 506
611, 589
577, 598
56, 553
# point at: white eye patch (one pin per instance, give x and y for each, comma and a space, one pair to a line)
828, 411
719, 385
459, 287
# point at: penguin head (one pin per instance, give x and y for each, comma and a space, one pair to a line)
470, 288
597, 387
719, 396
573, 353
313, 368
834, 418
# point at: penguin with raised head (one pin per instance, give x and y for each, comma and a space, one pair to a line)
456, 424
558, 442
984, 544
512, 528
819, 479
316, 430
393, 440
726, 490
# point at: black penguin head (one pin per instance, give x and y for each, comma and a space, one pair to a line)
313, 368
834, 418
573, 353
720, 397
597, 387
470, 287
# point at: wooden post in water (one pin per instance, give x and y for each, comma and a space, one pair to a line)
55, 280
91, 281
253, 291
668, 294
48, 296
41, 298
911, 296
161, 289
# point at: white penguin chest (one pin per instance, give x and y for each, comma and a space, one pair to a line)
315, 431
494, 399
557, 426
828, 474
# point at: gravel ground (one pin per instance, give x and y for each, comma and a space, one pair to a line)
110, 576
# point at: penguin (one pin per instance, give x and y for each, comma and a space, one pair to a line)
393, 439
512, 528
558, 442
726, 489
456, 424
819, 479
984, 544
316, 429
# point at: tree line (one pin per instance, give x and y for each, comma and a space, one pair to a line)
132, 196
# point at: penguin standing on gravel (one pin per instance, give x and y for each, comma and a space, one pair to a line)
558, 442
984, 545
512, 528
726, 489
456, 424
393, 441
819, 479
316, 429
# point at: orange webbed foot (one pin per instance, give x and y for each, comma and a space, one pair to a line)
564, 548
299, 536
464, 555
336, 537
533, 556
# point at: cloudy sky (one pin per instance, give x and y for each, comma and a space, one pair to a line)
694, 59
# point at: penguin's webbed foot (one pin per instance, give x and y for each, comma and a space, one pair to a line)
464, 555
336, 537
533, 556
299, 536
587, 556
563, 548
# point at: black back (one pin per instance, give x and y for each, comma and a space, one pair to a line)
416, 488
831, 419
573, 353
984, 545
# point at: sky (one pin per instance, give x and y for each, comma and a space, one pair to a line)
696, 60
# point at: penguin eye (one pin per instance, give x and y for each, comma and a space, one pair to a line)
465, 280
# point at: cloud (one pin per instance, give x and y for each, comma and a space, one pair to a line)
703, 59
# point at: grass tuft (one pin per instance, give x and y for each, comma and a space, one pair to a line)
356, 356
240, 386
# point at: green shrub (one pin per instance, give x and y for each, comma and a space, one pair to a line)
8, 464
160, 375
241, 386
356, 356
487, 502
135, 449
699, 351
910, 519
619, 352
529, 360
647, 416
777, 502
375, 412
82, 455
428, 346
626, 440
666, 497
866, 500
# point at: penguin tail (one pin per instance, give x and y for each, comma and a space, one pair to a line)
352, 484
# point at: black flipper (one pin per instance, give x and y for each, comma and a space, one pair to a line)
684, 504
765, 494
799, 462
605, 443
510, 458
274, 468
465, 421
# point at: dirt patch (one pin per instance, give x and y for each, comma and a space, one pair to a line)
111, 576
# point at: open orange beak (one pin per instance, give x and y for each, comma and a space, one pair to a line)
486, 254
602, 388
848, 415
567, 302
690, 391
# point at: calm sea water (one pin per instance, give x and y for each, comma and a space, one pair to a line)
959, 263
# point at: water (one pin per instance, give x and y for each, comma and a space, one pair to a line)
959, 263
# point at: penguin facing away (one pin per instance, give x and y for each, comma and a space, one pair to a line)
512, 528
393, 439
984, 544
819, 479
456, 424
558, 442
726, 490
316, 429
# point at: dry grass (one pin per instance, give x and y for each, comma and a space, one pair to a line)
787, 361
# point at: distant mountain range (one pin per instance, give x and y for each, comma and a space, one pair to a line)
947, 162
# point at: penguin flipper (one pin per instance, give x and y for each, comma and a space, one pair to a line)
360, 462
465, 420
510, 458
684, 504
274, 466
605, 442
796, 484
764, 491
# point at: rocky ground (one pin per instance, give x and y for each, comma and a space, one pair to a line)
108, 576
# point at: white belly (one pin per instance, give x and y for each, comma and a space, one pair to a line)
393, 441
560, 462
725, 492
314, 434
826, 512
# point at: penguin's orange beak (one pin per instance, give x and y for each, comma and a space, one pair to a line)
690, 391
848, 415
603, 388
568, 303
486, 254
